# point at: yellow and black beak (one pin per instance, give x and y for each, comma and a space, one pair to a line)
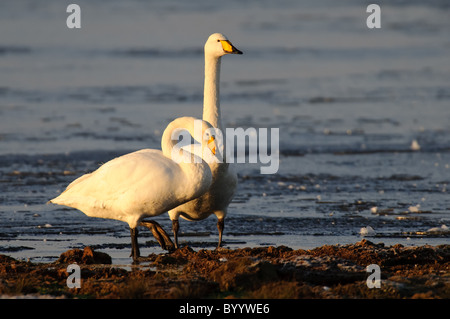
213, 146
229, 48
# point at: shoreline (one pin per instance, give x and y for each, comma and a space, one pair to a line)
325, 272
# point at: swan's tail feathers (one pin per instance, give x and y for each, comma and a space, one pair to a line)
77, 202
59, 201
65, 200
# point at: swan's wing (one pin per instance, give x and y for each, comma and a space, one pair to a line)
142, 176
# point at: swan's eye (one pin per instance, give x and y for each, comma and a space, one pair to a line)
218, 40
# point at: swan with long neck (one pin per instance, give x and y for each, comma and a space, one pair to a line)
220, 193
145, 183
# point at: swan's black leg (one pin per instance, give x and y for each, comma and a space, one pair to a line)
160, 234
168, 242
175, 228
220, 226
134, 244
155, 233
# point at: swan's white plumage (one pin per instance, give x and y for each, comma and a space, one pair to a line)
141, 184
224, 183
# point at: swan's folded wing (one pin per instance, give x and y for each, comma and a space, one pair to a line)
139, 173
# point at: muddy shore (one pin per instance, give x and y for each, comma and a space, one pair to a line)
326, 272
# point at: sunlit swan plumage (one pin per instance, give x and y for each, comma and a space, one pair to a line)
145, 183
221, 192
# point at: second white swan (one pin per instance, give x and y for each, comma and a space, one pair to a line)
218, 197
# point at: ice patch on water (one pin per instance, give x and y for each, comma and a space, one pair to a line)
367, 231
442, 229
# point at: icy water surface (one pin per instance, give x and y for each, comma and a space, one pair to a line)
349, 102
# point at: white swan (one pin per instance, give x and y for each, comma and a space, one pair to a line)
221, 192
145, 183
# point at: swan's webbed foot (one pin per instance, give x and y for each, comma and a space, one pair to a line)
160, 235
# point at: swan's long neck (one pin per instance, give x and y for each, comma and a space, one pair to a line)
211, 104
197, 175
171, 148
167, 144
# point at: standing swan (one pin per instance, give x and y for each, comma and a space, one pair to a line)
145, 183
224, 183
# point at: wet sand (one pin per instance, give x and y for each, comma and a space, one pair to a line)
326, 272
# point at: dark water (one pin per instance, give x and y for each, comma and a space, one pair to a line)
348, 101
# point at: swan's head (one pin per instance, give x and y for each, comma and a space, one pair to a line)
205, 132
218, 45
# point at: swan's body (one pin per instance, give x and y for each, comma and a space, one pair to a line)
224, 182
141, 184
